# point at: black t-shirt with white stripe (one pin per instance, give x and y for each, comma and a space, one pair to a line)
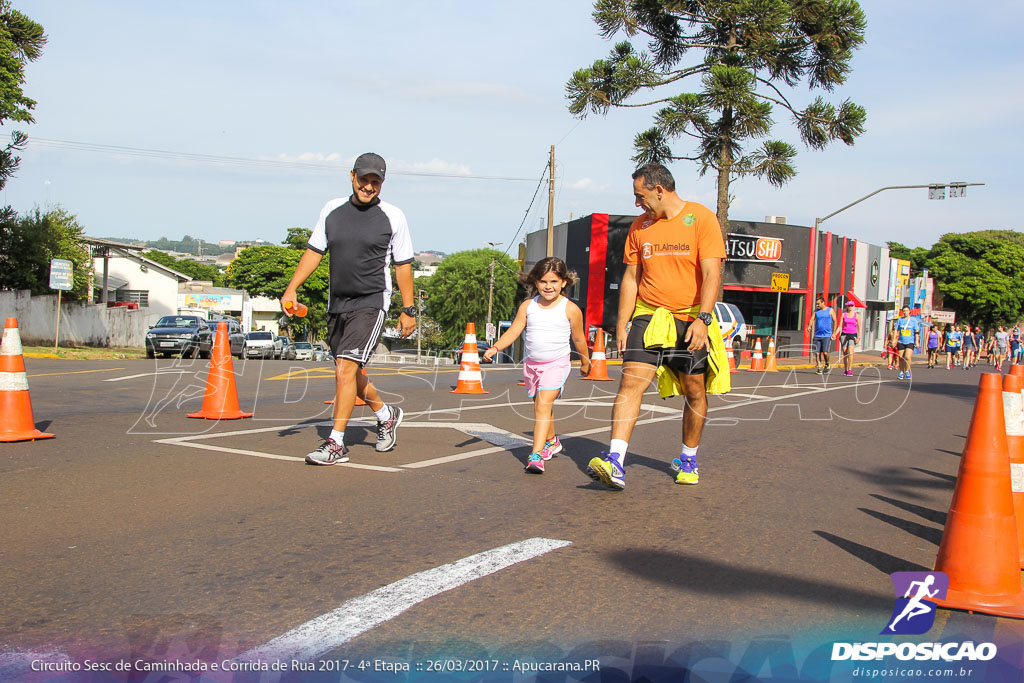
361, 239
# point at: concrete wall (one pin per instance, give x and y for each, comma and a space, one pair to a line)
81, 324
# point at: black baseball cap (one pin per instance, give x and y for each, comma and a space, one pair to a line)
370, 164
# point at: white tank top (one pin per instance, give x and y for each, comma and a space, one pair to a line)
547, 331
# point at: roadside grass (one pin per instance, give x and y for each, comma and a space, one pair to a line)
85, 352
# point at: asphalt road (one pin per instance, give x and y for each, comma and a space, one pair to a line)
140, 532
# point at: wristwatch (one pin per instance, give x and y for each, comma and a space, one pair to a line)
411, 311
704, 318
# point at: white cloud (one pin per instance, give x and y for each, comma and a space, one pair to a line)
581, 184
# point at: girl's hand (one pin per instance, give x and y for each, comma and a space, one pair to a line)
490, 353
585, 367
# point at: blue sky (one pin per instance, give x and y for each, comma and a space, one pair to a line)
473, 89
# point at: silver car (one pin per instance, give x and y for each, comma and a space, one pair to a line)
303, 351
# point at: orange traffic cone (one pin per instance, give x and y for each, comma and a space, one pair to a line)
769, 364
16, 421
757, 362
359, 401
1017, 370
979, 544
732, 358
1013, 414
470, 377
598, 362
221, 399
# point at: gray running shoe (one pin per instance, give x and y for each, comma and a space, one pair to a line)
330, 453
387, 431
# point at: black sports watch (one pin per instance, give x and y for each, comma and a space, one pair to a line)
704, 318
411, 311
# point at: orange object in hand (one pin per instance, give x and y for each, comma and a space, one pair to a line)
296, 309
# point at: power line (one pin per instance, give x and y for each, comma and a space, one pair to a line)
240, 161
527, 213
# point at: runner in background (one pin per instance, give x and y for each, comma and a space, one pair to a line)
1014, 344
904, 337
934, 335
970, 350
1002, 342
849, 337
954, 338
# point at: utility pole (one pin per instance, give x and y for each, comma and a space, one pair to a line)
419, 322
551, 204
490, 292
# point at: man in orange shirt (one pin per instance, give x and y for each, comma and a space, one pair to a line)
673, 260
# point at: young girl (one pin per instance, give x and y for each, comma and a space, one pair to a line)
934, 334
549, 319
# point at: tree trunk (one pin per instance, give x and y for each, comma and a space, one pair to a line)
724, 172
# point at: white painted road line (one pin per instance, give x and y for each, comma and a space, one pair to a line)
357, 616
151, 374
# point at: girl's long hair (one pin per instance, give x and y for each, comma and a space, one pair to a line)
551, 264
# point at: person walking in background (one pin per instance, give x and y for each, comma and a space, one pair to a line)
904, 337
934, 335
1015, 344
825, 329
969, 354
364, 236
673, 258
1002, 346
849, 337
549, 320
954, 337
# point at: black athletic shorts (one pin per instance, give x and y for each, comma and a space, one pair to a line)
903, 347
678, 359
354, 335
846, 339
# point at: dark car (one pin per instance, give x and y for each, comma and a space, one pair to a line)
287, 348
481, 346
236, 338
179, 335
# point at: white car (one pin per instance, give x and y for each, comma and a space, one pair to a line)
303, 351
259, 344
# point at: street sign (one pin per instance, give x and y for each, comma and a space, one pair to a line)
60, 274
780, 282
491, 331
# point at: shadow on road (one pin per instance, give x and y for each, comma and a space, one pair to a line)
702, 575
967, 392
897, 480
923, 512
925, 533
882, 561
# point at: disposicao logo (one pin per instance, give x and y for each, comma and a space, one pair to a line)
912, 615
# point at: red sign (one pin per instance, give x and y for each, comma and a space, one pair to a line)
769, 249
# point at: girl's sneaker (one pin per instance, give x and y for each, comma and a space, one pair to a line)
686, 467
535, 464
552, 447
901, 376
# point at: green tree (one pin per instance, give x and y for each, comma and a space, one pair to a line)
457, 292
194, 269
980, 275
918, 256
750, 54
21, 41
28, 243
297, 238
266, 271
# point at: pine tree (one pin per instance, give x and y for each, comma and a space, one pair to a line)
752, 54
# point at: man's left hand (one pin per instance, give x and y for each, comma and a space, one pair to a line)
697, 335
406, 325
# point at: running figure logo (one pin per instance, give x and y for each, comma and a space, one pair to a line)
914, 613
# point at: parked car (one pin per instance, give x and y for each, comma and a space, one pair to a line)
481, 346
731, 322
287, 348
184, 335
320, 351
278, 347
236, 338
303, 351
260, 344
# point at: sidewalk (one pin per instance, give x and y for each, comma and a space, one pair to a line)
860, 359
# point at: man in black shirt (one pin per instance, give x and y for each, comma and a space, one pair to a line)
362, 234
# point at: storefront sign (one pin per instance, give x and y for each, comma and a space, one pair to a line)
780, 282
753, 248
944, 317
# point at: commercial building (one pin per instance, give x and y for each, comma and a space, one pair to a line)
757, 253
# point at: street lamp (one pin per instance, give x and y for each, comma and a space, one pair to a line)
935, 191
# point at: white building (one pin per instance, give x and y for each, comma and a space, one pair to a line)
133, 278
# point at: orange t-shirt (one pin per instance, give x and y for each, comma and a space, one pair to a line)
668, 253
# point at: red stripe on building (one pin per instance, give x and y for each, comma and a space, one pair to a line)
826, 276
842, 276
596, 271
811, 277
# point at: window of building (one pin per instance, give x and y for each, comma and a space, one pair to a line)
139, 296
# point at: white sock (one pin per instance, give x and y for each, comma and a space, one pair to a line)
383, 414
689, 452
339, 437
617, 450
